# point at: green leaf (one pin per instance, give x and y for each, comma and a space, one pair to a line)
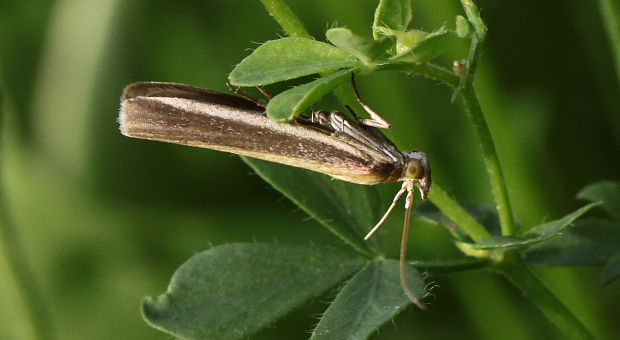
393, 14
611, 270
370, 299
404, 40
416, 46
590, 242
606, 191
412, 48
289, 58
463, 28
231, 291
291, 103
348, 210
536, 234
367, 51
473, 16
551, 228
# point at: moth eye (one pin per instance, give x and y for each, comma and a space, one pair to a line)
414, 169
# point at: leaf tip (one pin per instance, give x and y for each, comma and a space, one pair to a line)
153, 308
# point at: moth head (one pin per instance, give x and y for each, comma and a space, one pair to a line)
418, 170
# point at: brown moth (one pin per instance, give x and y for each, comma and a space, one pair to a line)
326, 142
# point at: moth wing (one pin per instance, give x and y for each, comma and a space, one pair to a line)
187, 115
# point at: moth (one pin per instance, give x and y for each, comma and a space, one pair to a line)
352, 150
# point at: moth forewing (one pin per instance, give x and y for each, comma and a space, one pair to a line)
187, 115
176, 90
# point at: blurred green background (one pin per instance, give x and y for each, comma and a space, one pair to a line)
104, 220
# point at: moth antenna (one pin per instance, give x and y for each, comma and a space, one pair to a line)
387, 213
403, 251
357, 118
375, 119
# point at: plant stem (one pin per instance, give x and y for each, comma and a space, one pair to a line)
286, 18
512, 266
610, 11
472, 106
480, 32
551, 307
469, 99
457, 213
451, 266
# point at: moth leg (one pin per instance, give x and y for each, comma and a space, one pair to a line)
375, 119
238, 92
387, 213
320, 117
265, 92
355, 116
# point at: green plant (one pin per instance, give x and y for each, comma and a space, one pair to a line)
232, 291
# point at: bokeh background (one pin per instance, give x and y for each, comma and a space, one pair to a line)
104, 220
